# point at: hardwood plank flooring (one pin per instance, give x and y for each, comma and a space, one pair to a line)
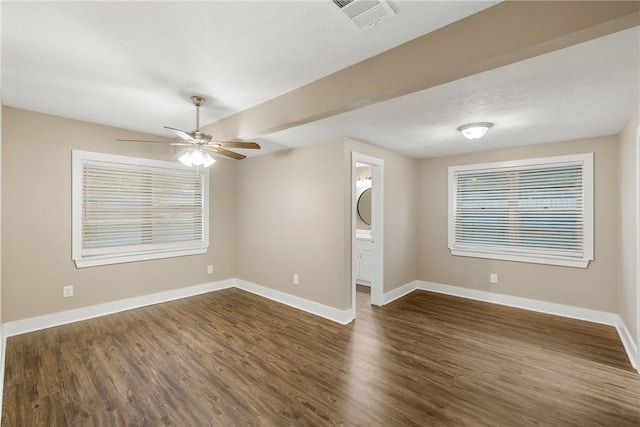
231, 358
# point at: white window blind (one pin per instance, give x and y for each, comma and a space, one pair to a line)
537, 210
130, 209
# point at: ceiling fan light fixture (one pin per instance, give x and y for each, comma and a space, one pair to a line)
185, 159
196, 157
475, 130
208, 160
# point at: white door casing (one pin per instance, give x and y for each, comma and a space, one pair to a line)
637, 337
377, 227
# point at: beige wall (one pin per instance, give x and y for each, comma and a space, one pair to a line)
400, 213
288, 213
627, 298
294, 207
294, 217
593, 288
36, 220
291, 221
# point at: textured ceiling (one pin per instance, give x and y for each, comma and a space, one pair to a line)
134, 65
585, 90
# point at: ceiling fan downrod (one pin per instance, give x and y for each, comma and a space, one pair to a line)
197, 101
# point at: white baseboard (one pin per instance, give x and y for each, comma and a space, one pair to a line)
3, 351
628, 342
61, 318
330, 313
64, 317
340, 316
399, 292
563, 310
524, 303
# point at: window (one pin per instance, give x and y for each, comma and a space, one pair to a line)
131, 209
536, 210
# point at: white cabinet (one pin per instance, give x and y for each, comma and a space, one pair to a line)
364, 261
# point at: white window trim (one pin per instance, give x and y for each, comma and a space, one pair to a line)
532, 256
138, 254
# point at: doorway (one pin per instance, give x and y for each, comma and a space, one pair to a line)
367, 227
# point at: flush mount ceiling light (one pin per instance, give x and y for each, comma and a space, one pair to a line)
475, 130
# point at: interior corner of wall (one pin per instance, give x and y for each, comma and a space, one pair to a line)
348, 139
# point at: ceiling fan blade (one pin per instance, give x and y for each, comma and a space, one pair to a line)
182, 134
182, 144
140, 140
224, 152
240, 144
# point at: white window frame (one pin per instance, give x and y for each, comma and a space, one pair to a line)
121, 254
521, 254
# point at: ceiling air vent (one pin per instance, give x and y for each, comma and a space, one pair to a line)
365, 13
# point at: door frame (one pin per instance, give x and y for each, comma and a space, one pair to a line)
377, 226
637, 337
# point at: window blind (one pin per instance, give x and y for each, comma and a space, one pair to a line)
132, 209
537, 210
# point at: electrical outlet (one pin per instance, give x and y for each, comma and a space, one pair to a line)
209, 269
296, 279
493, 278
67, 291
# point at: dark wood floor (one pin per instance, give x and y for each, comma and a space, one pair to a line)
230, 358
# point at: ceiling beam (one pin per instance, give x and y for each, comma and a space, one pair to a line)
500, 35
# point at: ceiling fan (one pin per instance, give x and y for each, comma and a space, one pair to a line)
198, 144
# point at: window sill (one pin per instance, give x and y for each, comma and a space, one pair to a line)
565, 262
119, 259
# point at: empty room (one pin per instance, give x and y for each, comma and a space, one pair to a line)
323, 212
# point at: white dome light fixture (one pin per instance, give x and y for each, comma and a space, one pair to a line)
475, 130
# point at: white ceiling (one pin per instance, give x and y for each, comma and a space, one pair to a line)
134, 65
583, 91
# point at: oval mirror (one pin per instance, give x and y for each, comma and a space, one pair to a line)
364, 206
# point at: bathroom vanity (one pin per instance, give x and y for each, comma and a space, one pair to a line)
364, 257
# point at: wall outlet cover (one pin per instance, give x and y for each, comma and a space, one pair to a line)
67, 291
